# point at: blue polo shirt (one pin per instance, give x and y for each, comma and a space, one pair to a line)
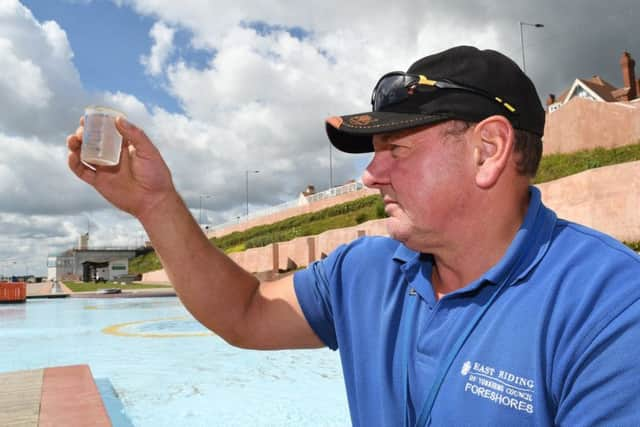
558, 346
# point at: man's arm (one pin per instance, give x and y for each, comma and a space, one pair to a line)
599, 385
219, 293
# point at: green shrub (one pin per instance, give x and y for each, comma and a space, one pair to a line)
144, 263
361, 217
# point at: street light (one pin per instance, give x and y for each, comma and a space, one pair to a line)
330, 166
202, 196
247, 188
330, 162
6, 265
524, 67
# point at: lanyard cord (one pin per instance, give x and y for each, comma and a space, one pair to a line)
409, 303
405, 329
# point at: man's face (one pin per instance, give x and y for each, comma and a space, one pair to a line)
424, 177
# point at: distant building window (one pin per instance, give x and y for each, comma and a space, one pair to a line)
118, 267
582, 93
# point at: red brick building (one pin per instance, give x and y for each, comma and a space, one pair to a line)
593, 113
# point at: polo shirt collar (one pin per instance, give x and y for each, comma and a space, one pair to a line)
529, 245
404, 254
525, 251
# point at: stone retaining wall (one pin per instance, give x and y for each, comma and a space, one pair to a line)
607, 199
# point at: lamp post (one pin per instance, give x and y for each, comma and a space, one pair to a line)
522, 24
247, 188
202, 196
330, 166
6, 266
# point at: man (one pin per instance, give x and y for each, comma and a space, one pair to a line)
483, 308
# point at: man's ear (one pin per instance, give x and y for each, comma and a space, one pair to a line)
493, 140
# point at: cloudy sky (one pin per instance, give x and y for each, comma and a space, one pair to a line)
223, 87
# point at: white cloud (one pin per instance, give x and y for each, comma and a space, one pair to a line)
39, 86
162, 48
21, 82
57, 41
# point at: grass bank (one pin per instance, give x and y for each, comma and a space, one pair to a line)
339, 216
555, 166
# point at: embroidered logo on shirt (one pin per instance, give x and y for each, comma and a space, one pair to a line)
465, 368
499, 386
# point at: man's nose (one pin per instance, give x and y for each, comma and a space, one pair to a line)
376, 173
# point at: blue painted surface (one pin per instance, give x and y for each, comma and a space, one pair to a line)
167, 371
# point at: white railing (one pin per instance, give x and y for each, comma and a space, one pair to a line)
335, 191
300, 201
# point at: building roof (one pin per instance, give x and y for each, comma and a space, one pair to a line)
602, 88
598, 89
596, 85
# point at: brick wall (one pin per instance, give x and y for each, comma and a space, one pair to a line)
584, 124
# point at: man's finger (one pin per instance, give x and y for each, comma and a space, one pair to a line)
73, 143
80, 132
80, 169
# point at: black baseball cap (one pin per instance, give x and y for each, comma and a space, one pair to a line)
461, 83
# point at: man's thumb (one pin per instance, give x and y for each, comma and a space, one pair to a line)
131, 132
124, 126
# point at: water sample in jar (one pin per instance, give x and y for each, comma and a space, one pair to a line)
101, 141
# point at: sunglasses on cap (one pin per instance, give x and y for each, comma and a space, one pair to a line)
398, 86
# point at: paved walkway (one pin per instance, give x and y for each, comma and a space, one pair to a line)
51, 397
47, 289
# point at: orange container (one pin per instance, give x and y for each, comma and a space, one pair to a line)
13, 291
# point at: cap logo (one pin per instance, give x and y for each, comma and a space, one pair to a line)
361, 120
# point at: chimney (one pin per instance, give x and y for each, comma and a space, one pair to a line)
551, 99
628, 65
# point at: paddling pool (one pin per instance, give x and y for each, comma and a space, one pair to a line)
156, 366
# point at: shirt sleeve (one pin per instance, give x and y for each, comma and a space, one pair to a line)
601, 386
314, 293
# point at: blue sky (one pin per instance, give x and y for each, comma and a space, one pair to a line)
108, 41
234, 85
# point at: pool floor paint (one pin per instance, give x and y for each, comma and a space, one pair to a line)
156, 366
